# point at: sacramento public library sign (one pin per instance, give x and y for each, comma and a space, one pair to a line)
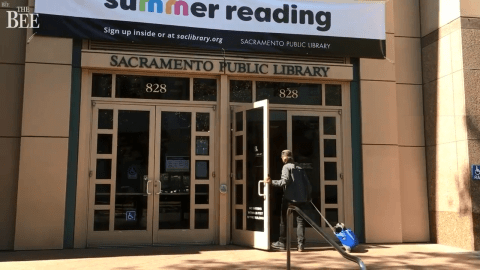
336, 28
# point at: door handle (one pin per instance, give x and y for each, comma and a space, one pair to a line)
260, 194
160, 187
148, 193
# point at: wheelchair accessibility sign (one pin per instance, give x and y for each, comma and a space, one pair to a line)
131, 215
132, 173
476, 172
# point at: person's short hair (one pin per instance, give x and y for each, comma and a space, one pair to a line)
287, 153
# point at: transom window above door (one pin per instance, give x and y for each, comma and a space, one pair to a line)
154, 87
293, 93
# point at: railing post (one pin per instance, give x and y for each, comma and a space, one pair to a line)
289, 242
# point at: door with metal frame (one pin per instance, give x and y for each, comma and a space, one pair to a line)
122, 157
152, 175
250, 149
317, 147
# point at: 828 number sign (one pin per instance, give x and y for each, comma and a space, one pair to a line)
288, 93
156, 88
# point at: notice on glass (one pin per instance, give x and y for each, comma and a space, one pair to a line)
255, 213
177, 164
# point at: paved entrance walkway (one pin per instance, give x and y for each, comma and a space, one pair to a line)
412, 256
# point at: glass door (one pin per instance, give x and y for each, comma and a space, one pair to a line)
152, 178
250, 208
315, 140
184, 209
121, 204
316, 146
331, 168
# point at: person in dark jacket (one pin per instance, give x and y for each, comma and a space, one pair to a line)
297, 191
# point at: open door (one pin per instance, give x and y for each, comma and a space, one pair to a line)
250, 207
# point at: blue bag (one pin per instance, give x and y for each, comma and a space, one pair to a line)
348, 238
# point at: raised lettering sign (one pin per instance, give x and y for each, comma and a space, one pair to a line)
218, 67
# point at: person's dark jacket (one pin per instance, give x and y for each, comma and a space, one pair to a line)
294, 180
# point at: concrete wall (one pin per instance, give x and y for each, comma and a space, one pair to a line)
12, 59
395, 190
411, 135
44, 144
470, 42
450, 55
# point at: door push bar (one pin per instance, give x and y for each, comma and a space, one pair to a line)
319, 230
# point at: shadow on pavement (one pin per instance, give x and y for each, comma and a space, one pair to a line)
236, 257
314, 260
103, 252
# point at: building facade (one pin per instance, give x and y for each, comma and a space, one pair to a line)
111, 144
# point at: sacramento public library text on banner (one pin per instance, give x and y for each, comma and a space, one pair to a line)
344, 28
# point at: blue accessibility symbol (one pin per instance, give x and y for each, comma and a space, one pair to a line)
132, 173
131, 215
476, 172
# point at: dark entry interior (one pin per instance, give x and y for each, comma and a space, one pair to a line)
278, 142
306, 152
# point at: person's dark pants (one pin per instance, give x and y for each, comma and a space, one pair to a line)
300, 222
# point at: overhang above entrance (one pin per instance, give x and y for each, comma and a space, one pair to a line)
216, 66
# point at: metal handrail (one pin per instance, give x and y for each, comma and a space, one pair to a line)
319, 230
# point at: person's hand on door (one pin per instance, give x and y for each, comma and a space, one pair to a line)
268, 180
